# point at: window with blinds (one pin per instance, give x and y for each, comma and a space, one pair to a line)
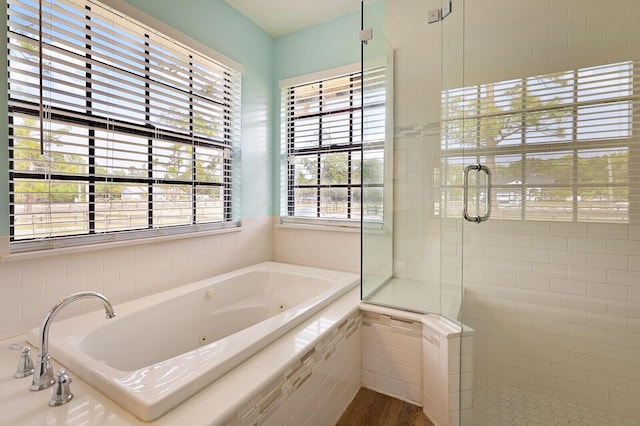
330, 158
561, 147
115, 130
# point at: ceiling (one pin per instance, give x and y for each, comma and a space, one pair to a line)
280, 17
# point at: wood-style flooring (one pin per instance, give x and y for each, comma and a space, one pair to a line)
372, 408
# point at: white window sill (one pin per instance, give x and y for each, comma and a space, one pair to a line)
317, 226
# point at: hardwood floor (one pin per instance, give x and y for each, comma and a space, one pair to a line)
372, 408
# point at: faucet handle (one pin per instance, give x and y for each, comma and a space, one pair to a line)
25, 365
61, 392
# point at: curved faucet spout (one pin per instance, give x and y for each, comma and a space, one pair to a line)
43, 378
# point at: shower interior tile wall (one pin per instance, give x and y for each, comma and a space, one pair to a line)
30, 287
555, 306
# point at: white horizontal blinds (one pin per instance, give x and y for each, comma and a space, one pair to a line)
562, 146
322, 128
139, 129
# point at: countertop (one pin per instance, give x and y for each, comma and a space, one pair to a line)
211, 406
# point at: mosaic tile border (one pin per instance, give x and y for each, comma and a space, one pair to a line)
427, 129
266, 402
394, 324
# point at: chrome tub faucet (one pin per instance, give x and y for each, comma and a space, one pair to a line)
43, 377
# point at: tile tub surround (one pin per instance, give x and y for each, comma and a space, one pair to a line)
31, 284
212, 406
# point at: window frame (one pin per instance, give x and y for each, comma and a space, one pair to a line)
227, 144
355, 148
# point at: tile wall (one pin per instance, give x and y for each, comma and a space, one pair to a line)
392, 356
555, 306
30, 287
421, 359
556, 309
315, 246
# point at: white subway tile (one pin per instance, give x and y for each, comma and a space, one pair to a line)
560, 257
534, 364
548, 381
582, 273
608, 291
10, 315
532, 282
533, 255
624, 369
552, 299
626, 247
573, 316
570, 372
585, 303
551, 270
515, 241
606, 351
533, 228
612, 322
118, 257
10, 276
550, 242
597, 334
516, 267
532, 309
587, 245
625, 401
624, 309
391, 386
609, 261
588, 362
609, 381
569, 229
624, 278
34, 271
519, 295
623, 339
64, 286
609, 231
578, 288
549, 326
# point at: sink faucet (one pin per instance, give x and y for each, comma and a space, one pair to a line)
43, 377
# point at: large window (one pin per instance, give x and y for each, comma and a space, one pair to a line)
330, 159
560, 146
115, 130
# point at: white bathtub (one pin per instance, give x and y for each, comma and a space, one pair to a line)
160, 350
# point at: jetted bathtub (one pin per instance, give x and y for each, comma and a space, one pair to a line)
160, 350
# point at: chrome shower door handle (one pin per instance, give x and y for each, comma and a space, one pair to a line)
465, 196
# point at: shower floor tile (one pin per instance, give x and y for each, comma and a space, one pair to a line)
498, 405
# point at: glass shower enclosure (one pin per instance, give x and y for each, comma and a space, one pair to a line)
511, 196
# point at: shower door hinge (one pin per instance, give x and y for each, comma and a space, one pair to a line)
366, 35
436, 15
